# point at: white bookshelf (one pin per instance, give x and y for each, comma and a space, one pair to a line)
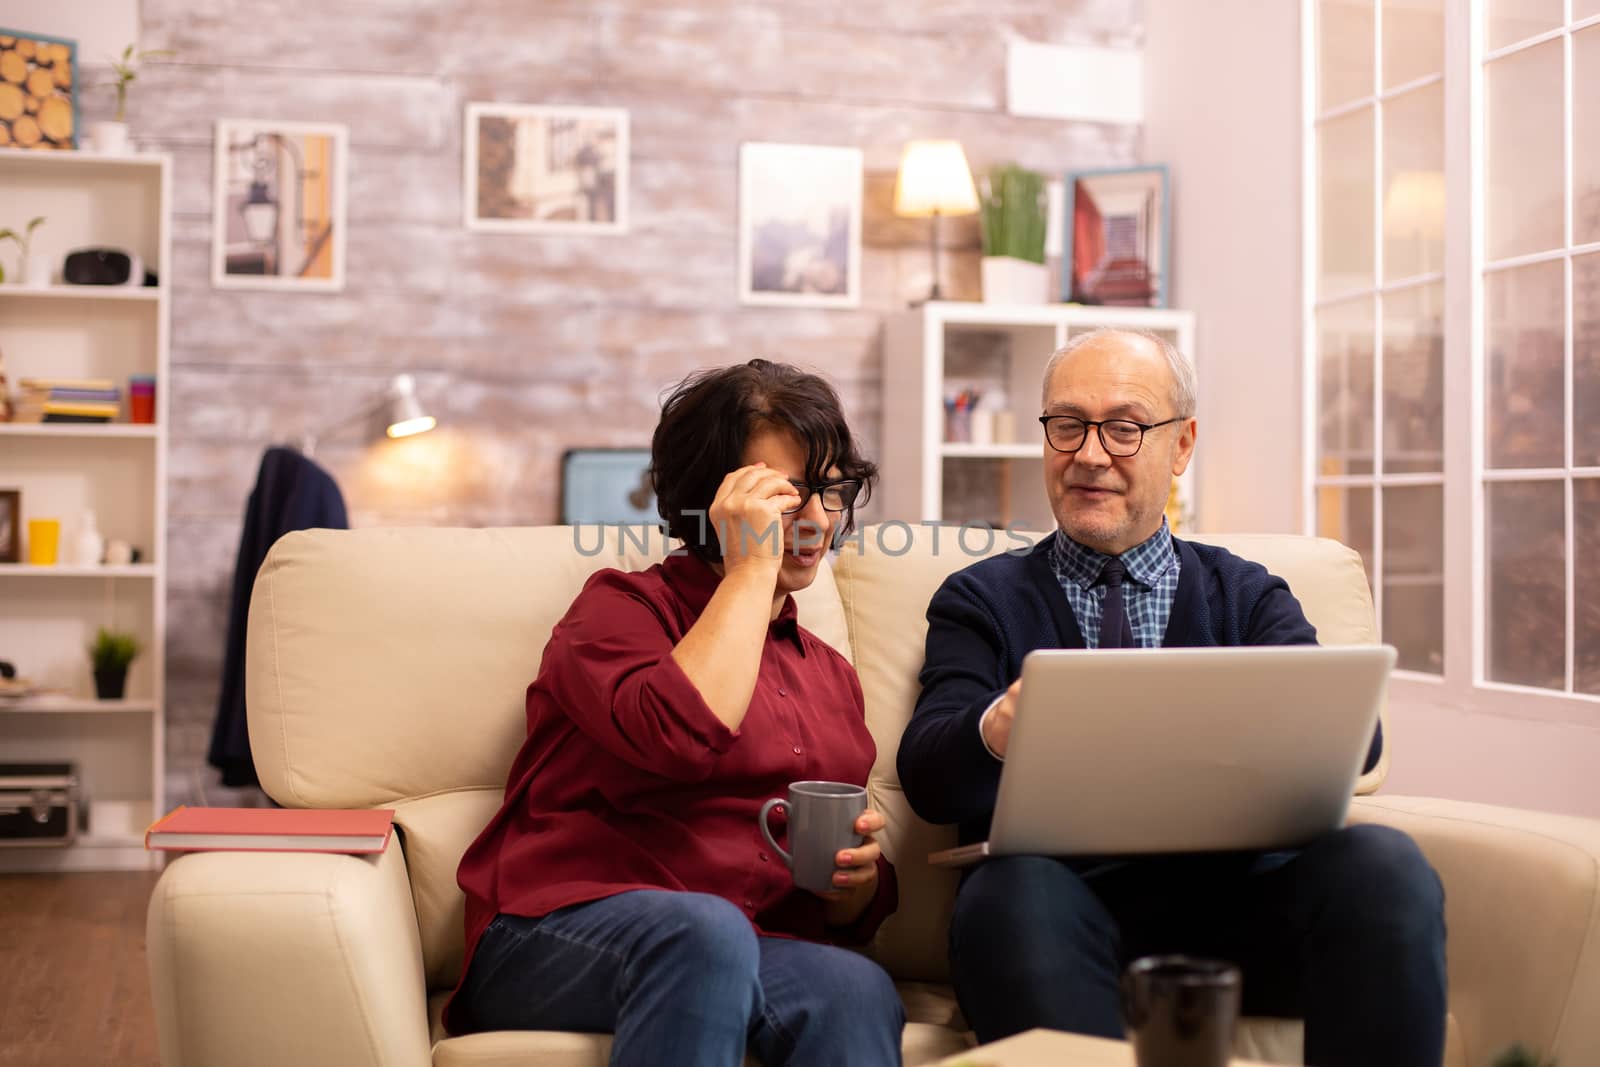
49, 614
930, 349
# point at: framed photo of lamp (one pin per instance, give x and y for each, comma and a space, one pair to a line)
799, 225
530, 168
278, 205
38, 91
1116, 249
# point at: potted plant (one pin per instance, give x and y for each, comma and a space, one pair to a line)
1519, 1055
1015, 206
31, 270
111, 137
110, 656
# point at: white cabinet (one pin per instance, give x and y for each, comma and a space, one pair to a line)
118, 470
944, 348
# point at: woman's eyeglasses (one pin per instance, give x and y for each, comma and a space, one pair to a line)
836, 496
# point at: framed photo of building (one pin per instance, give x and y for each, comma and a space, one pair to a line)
38, 91
543, 169
799, 225
278, 205
1115, 249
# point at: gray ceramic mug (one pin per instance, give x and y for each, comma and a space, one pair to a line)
822, 823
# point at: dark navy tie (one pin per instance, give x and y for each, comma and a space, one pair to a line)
1114, 629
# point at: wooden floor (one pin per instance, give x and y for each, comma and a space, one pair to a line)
73, 984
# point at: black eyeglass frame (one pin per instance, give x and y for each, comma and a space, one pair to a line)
806, 491
1100, 431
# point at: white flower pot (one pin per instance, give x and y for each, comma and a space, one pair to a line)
35, 271
109, 138
1014, 281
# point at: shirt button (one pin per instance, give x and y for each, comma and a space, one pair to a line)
750, 905
763, 856
797, 750
782, 691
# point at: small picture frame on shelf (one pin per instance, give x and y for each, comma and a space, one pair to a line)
278, 207
38, 91
10, 525
530, 168
799, 225
1115, 249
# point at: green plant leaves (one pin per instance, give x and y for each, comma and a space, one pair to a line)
1014, 213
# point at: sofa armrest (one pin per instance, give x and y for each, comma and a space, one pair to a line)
259, 959
1522, 897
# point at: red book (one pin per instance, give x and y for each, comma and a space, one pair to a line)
272, 830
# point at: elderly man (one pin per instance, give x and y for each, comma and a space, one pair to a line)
1346, 933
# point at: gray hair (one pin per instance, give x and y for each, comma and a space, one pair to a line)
1183, 383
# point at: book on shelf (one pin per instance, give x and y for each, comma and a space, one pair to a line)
47, 384
352, 830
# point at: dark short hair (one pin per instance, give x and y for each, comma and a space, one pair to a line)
709, 417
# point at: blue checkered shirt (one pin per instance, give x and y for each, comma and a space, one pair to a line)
1147, 592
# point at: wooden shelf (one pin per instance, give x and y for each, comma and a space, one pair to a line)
50, 705
959, 450
80, 158
133, 293
78, 429
29, 570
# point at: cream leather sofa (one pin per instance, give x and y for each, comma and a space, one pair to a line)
387, 669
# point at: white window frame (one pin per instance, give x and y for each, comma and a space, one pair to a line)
1463, 686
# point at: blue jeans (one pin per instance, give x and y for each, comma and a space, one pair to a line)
1347, 934
682, 978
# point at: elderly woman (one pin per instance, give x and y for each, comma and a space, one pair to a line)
623, 886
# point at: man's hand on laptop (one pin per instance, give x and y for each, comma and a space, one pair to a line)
996, 723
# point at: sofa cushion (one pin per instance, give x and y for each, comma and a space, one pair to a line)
435, 831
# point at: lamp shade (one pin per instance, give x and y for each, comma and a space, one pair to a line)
934, 179
1414, 205
403, 414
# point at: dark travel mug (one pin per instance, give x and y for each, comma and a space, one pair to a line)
1180, 1011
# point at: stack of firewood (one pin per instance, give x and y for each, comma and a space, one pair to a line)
35, 94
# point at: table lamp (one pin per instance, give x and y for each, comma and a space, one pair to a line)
934, 180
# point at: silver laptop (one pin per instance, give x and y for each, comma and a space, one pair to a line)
1123, 751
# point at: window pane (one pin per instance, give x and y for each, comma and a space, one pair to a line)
1413, 40
1523, 197
1344, 51
1586, 134
1345, 403
1413, 575
1586, 582
1586, 361
1413, 380
1510, 21
1526, 583
1413, 183
1346, 516
1344, 211
1582, 9
1524, 397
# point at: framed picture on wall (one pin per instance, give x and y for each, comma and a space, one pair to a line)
10, 525
1115, 249
536, 169
799, 225
607, 485
38, 91
278, 205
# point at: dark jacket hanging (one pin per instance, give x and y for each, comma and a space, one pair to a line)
291, 493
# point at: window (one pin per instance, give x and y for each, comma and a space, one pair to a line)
1453, 393
1376, 322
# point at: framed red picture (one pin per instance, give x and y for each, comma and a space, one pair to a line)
1116, 245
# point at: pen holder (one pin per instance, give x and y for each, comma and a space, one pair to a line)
958, 426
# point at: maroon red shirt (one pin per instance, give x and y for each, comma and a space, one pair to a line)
627, 780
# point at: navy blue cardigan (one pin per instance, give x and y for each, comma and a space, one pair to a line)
985, 618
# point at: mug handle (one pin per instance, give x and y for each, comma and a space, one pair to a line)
766, 832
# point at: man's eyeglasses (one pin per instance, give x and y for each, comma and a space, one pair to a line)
836, 496
1119, 437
